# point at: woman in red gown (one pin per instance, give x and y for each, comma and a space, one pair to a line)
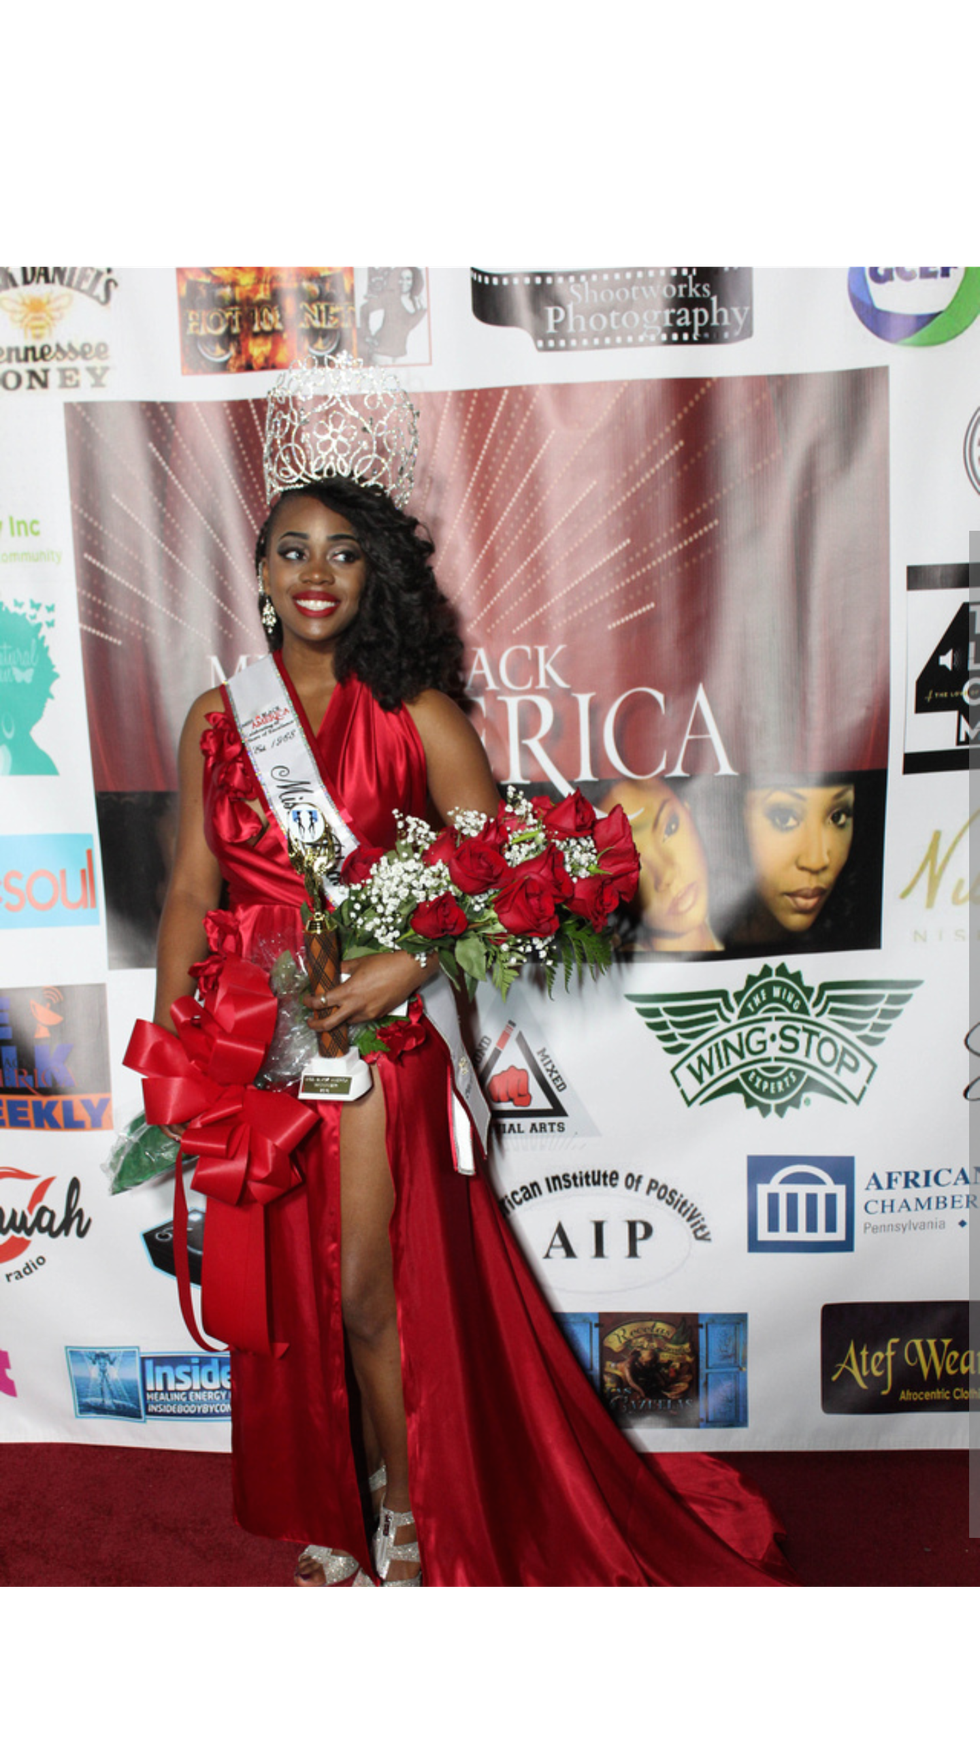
418, 1344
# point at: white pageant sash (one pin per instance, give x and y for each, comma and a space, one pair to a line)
288, 775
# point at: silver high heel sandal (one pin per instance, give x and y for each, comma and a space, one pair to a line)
337, 1566
385, 1549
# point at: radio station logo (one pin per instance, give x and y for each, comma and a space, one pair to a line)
34, 301
669, 1370
54, 1055
776, 1041
7, 1386
27, 677
123, 1384
942, 701
47, 880
801, 1203
25, 1216
530, 1096
915, 305
636, 305
897, 1358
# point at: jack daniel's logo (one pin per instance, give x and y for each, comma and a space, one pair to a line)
777, 1040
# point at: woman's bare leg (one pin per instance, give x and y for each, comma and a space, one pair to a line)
368, 1293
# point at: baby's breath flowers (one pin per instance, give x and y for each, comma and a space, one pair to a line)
536, 883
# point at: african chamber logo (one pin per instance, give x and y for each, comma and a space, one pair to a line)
801, 1203
776, 1041
915, 305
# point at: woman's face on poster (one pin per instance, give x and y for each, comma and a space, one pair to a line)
673, 886
799, 838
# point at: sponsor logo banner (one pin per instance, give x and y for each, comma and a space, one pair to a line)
897, 1358
776, 1041
801, 1203
670, 1370
241, 318
34, 302
942, 704
25, 1216
47, 880
123, 1384
530, 1095
940, 884
635, 305
27, 677
915, 305
54, 1059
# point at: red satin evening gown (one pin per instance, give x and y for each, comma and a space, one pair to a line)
518, 1475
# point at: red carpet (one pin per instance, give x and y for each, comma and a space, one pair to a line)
94, 1515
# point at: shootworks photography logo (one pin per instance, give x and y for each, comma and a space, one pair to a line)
915, 305
125, 1384
778, 1040
942, 692
634, 305
801, 1203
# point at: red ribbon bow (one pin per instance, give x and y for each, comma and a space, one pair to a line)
242, 1137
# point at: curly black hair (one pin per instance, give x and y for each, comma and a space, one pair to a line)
404, 636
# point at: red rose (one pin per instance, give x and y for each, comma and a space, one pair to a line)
531, 892
357, 867
443, 917
441, 850
616, 851
595, 898
403, 1033
573, 816
475, 867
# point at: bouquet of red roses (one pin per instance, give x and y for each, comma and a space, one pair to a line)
537, 883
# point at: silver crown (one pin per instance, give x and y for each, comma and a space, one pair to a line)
340, 419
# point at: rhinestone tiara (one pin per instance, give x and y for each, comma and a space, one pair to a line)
340, 419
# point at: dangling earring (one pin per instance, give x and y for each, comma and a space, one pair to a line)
267, 611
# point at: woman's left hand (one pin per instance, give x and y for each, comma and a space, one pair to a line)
374, 985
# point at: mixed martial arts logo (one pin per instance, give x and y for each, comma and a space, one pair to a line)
530, 1095
915, 305
777, 1040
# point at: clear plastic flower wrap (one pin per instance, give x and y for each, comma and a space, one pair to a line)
293, 1044
141, 1152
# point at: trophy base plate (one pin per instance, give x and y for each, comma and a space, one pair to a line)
340, 1079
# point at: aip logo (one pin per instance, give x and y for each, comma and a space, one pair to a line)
801, 1203
915, 305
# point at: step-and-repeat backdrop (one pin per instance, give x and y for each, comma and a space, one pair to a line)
708, 532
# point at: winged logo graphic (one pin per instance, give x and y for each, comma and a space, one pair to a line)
777, 1041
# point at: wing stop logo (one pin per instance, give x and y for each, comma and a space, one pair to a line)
777, 1041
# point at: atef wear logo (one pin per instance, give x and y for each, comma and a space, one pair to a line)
777, 1040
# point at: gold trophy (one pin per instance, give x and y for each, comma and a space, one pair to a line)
314, 852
